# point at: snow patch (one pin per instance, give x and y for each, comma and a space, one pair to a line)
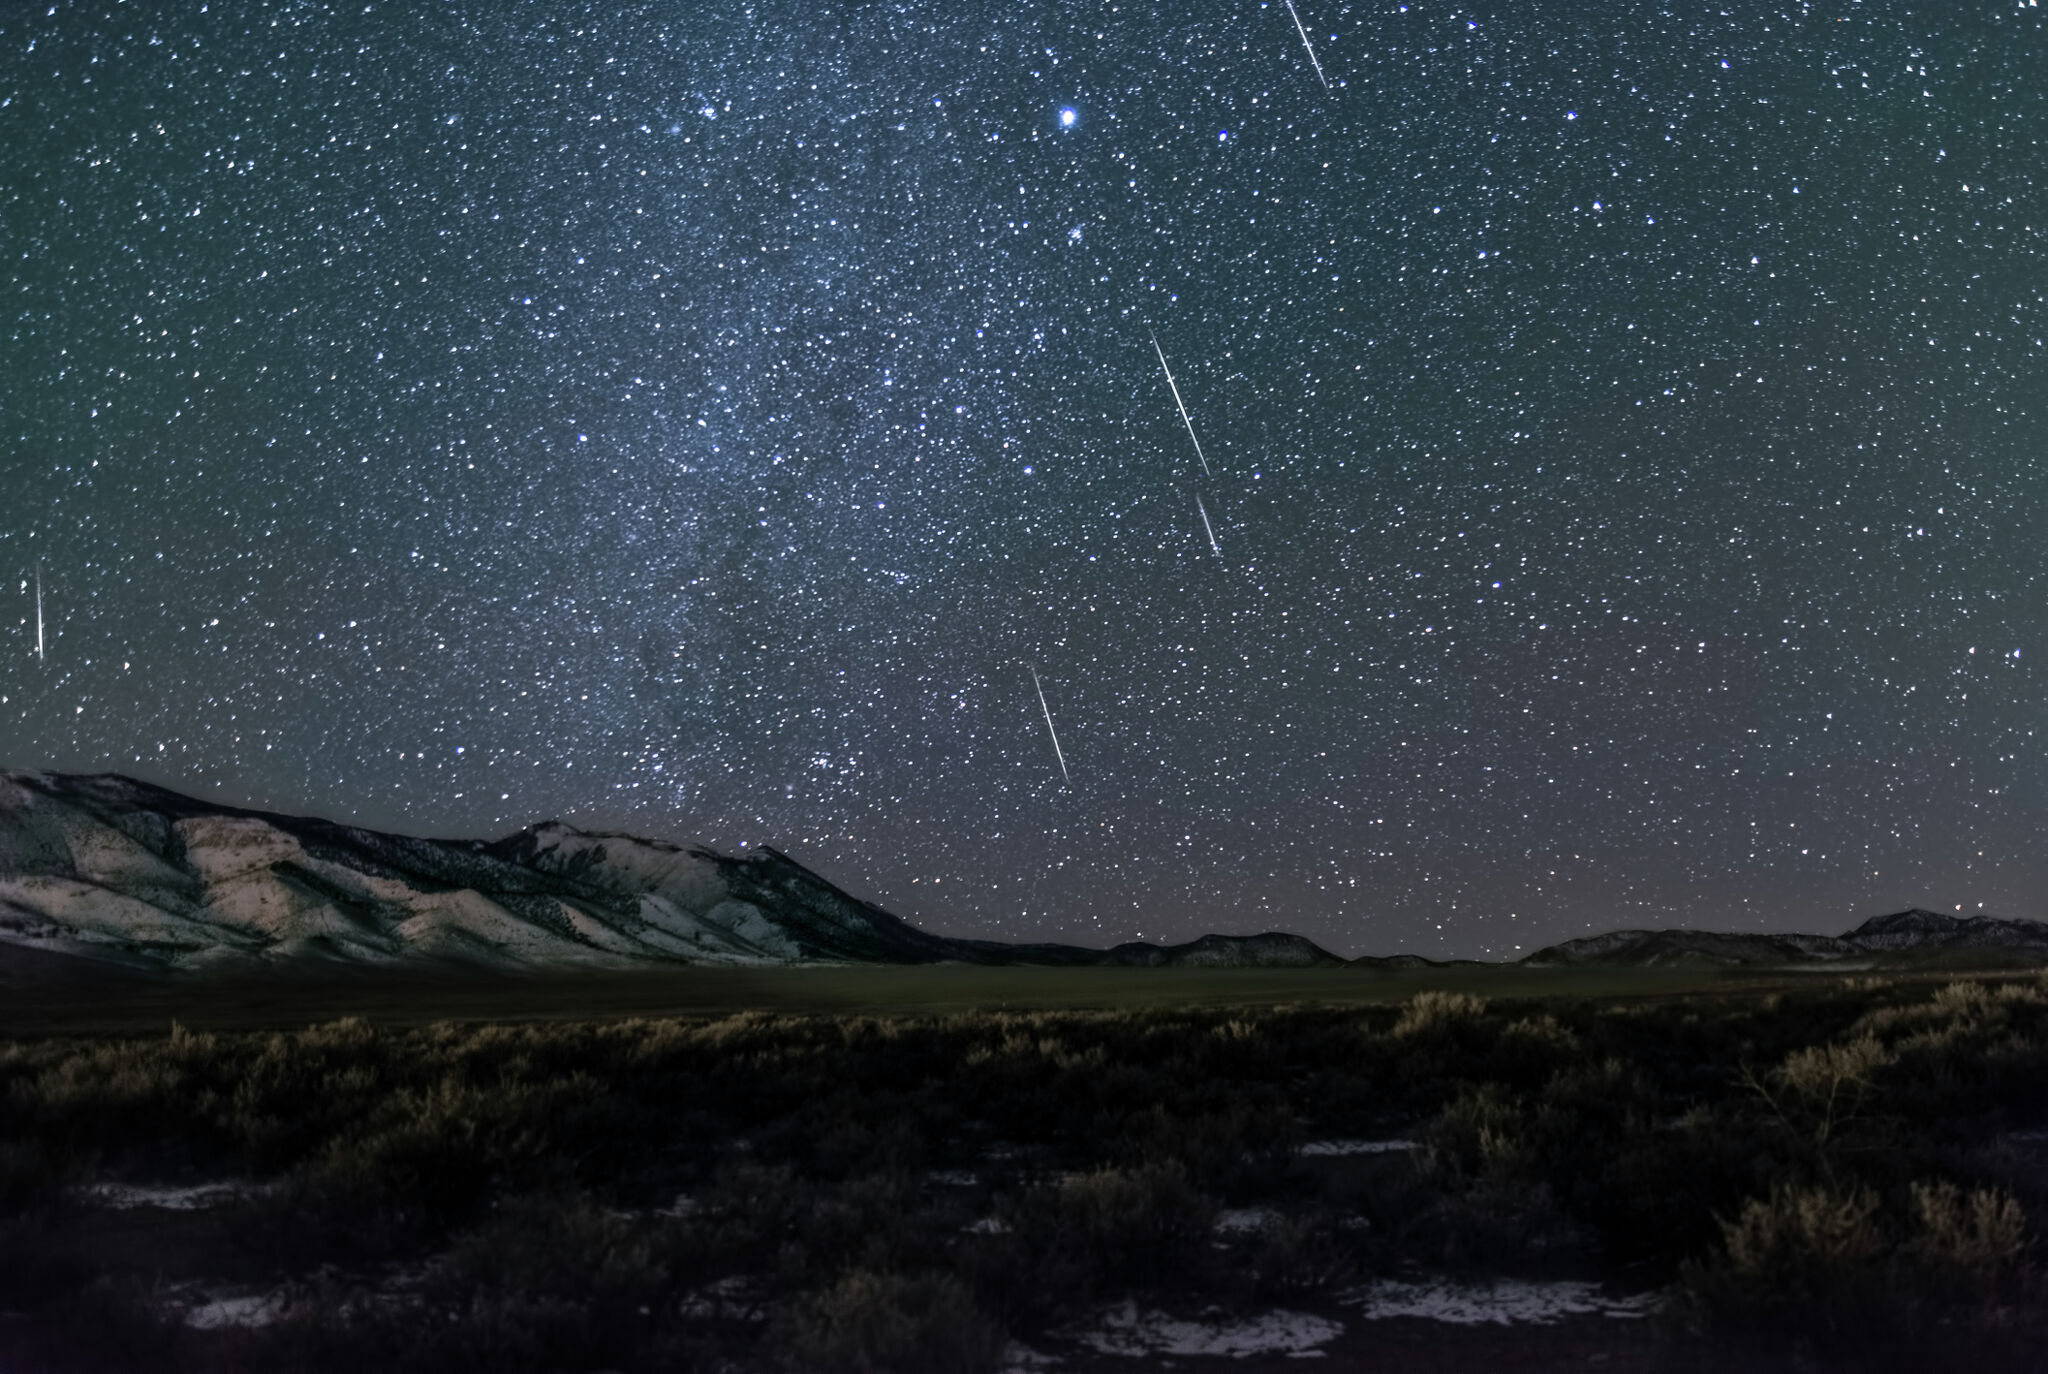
1325, 1148
195, 1197
729, 1299
1246, 1221
260, 1309
1504, 1302
1019, 1358
1130, 1330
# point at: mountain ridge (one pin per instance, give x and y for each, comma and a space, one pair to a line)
106, 868
1915, 929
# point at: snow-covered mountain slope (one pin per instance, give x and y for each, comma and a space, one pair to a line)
1919, 928
122, 871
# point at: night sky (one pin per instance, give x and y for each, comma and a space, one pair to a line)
1625, 429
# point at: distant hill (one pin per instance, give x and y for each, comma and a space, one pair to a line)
122, 872
1921, 935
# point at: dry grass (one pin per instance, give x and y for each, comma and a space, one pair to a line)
1860, 1196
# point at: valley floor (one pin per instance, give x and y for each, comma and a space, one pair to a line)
44, 995
890, 1170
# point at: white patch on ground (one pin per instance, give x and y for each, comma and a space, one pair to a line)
683, 1206
1246, 1221
987, 1226
195, 1197
208, 1305
259, 1309
405, 1281
1129, 1330
953, 1178
1019, 1358
1506, 1302
730, 1299
1358, 1147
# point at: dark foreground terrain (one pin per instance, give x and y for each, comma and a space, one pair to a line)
1699, 1175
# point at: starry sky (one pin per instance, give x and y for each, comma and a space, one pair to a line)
1621, 423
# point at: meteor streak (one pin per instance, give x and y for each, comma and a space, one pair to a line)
39, 613
1306, 44
1177, 402
1057, 752
1207, 526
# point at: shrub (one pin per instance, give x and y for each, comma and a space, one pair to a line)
1232, 1146
1090, 1234
1805, 1260
748, 1216
1806, 1238
1962, 999
32, 1177
802, 1144
882, 1222
1945, 1288
1655, 1197
1967, 1247
869, 1323
1831, 1076
1819, 1091
1141, 1224
319, 1216
1297, 1255
1480, 1132
1438, 1011
564, 1246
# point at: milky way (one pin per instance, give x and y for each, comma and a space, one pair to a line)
1624, 428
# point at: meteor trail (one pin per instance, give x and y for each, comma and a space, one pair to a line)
39, 613
1306, 44
1177, 402
1057, 752
1207, 526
